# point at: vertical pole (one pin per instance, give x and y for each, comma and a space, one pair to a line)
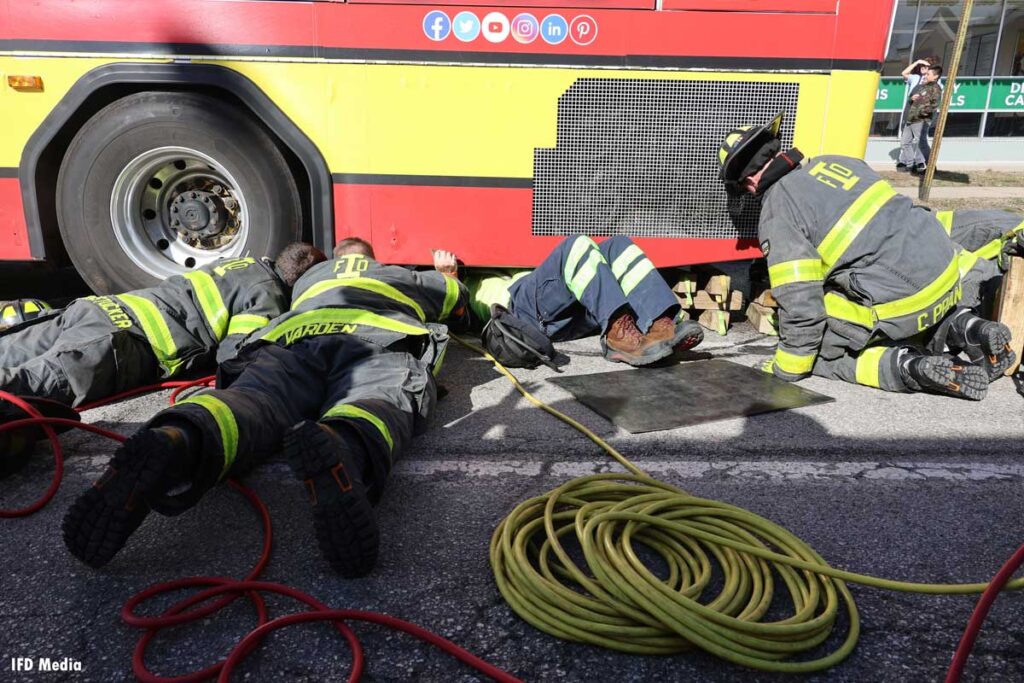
947, 97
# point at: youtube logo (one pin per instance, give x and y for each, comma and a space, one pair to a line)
495, 27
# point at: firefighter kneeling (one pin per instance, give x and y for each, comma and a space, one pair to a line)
871, 288
340, 383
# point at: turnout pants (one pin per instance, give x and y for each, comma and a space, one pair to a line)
376, 399
914, 148
875, 365
580, 287
74, 356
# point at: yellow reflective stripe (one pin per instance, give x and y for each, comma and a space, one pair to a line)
966, 261
440, 361
451, 296
155, 328
226, 423
801, 270
621, 263
341, 316
841, 308
579, 248
731, 139
924, 298
868, 364
991, 250
210, 301
369, 284
246, 323
946, 218
793, 364
641, 270
349, 410
586, 274
853, 221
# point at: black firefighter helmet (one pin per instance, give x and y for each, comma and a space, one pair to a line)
21, 310
747, 148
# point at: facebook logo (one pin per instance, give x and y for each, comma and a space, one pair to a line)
437, 25
554, 29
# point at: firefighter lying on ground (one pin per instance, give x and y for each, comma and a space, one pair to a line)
341, 383
871, 289
100, 346
582, 289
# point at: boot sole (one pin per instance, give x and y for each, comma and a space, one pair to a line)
690, 337
953, 378
100, 521
343, 518
652, 355
995, 344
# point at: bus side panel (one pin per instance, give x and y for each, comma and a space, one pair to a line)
13, 234
484, 226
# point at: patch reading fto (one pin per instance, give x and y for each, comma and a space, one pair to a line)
638, 157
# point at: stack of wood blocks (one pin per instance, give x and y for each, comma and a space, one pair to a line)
763, 313
709, 298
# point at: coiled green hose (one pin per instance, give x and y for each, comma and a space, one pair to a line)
620, 604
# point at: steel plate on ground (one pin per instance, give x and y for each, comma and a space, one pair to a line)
653, 399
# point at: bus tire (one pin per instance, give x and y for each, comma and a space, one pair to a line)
159, 183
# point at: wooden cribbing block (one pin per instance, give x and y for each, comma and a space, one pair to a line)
718, 287
704, 301
1009, 308
766, 299
685, 288
715, 320
763, 319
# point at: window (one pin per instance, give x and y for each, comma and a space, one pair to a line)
901, 42
962, 125
1005, 125
885, 124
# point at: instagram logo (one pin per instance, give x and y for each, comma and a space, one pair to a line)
525, 28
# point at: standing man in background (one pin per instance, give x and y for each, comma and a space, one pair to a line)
923, 103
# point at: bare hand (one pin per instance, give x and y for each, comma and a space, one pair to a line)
446, 263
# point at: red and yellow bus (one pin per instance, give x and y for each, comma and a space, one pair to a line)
140, 139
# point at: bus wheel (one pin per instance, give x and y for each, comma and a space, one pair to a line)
159, 183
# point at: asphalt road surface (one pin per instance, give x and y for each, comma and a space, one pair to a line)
912, 487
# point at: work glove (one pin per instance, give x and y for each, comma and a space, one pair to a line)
766, 365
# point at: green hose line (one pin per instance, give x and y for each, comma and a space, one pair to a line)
616, 602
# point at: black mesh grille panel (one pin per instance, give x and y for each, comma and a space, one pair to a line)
639, 157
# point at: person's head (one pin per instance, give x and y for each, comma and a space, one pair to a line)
295, 259
353, 245
746, 153
930, 60
933, 73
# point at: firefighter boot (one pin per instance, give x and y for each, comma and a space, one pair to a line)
942, 375
343, 517
680, 335
985, 342
624, 343
149, 463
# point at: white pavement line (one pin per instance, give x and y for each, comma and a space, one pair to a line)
694, 469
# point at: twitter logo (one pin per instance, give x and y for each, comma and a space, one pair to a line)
466, 26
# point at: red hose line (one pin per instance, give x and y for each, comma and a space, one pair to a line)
58, 458
36, 418
227, 588
981, 610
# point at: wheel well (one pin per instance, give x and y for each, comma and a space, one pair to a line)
45, 151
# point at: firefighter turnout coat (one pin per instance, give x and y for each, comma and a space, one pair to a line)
852, 263
359, 350
101, 345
